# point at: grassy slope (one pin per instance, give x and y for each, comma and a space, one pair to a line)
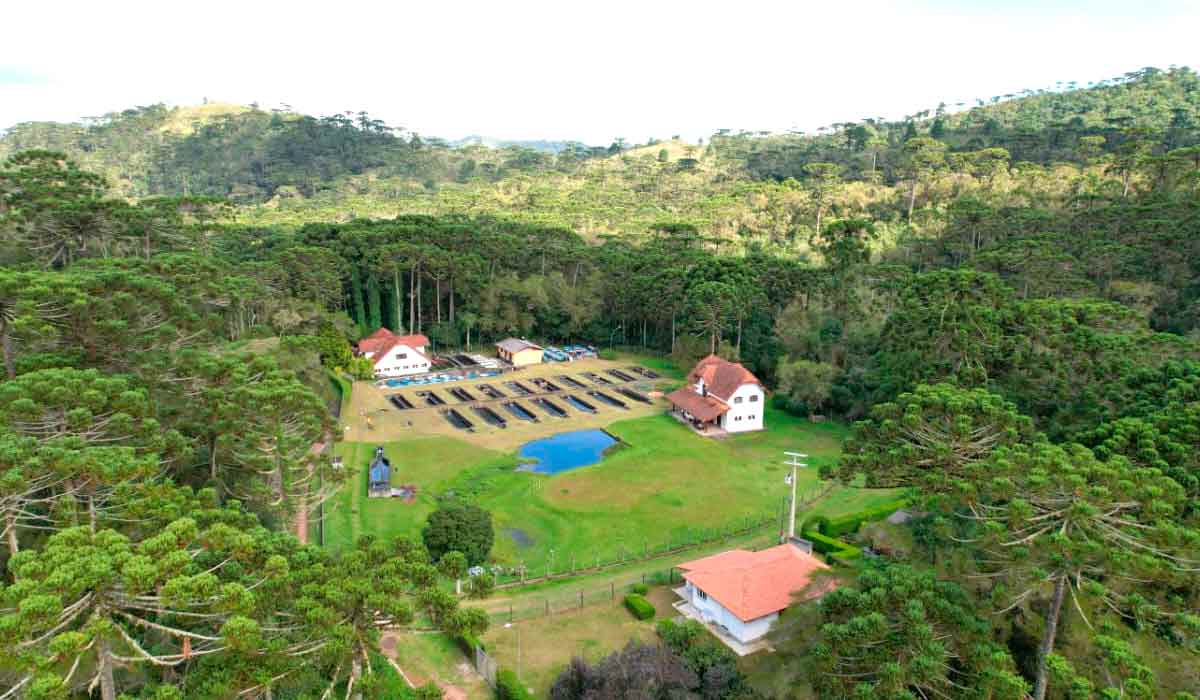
663, 483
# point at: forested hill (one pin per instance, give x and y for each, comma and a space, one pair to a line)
312, 167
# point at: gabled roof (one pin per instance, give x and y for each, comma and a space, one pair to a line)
381, 342
752, 584
722, 377
516, 345
380, 471
706, 408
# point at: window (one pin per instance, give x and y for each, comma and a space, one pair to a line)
702, 594
402, 356
754, 399
737, 399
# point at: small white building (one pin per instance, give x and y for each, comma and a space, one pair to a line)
740, 593
395, 355
722, 394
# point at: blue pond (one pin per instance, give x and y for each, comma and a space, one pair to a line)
565, 451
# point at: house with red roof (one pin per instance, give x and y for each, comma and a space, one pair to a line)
720, 394
395, 355
740, 593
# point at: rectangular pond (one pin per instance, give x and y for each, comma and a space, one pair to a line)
565, 451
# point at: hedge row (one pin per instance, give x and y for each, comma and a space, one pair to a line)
509, 688
469, 643
639, 606
848, 524
838, 551
639, 588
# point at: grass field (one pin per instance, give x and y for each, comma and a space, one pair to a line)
663, 484
547, 644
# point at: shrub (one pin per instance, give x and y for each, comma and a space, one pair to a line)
639, 606
816, 523
848, 524
839, 552
607, 354
468, 642
639, 588
459, 526
508, 687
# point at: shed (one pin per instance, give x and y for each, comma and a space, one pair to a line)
379, 474
519, 352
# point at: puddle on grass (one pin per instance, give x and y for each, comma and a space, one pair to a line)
519, 537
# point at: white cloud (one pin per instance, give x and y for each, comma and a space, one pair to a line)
574, 70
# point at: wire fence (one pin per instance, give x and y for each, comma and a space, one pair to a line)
609, 592
554, 565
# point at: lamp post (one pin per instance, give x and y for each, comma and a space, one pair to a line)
793, 462
614, 333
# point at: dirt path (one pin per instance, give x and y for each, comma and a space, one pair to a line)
389, 642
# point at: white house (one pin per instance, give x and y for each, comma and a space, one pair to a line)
740, 593
395, 355
723, 394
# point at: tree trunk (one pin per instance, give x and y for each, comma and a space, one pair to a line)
672, 332
739, 338
1047, 646
912, 198
399, 304
412, 306
450, 291
10, 365
10, 522
108, 687
419, 319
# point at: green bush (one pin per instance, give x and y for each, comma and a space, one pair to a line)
639, 606
508, 687
607, 354
839, 552
639, 588
469, 643
848, 524
816, 523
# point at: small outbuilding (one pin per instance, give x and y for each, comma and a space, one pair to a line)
379, 475
519, 352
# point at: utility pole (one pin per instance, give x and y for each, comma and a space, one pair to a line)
793, 462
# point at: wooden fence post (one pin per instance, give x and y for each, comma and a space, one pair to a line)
547, 607
612, 591
581, 600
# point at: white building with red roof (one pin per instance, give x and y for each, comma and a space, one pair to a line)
740, 593
395, 355
720, 393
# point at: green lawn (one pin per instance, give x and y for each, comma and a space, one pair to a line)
663, 485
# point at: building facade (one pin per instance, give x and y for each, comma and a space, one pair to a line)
395, 355
722, 394
519, 352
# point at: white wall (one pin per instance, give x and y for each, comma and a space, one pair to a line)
745, 409
393, 365
714, 612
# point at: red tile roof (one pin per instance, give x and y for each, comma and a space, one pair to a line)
705, 408
752, 584
381, 342
722, 377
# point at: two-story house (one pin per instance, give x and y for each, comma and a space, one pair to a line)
395, 355
722, 394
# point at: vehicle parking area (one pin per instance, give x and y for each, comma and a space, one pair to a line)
504, 409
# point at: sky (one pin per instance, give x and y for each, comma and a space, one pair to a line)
574, 69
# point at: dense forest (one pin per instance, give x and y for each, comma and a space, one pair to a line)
1005, 298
